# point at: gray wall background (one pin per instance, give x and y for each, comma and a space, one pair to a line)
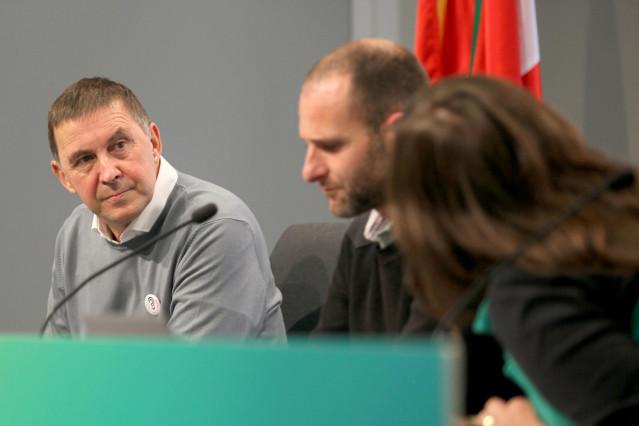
221, 80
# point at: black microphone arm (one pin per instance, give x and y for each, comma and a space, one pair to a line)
613, 182
199, 215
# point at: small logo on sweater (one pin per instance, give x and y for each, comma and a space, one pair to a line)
152, 304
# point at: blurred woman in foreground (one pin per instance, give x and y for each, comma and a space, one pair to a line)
478, 166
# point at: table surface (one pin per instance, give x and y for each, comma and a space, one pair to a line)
161, 381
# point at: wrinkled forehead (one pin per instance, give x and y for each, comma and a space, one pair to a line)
115, 108
95, 127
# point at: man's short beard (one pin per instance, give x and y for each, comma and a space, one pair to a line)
367, 190
361, 199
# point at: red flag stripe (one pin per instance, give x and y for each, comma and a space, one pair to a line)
507, 43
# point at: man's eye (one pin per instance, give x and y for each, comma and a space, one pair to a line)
331, 147
83, 160
120, 145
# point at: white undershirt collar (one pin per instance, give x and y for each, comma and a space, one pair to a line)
379, 230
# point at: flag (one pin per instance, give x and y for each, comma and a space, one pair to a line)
503, 35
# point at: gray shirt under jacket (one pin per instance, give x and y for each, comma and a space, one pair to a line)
212, 278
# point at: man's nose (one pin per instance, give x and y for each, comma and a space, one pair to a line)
109, 169
314, 167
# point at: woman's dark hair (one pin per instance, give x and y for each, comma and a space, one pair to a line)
478, 165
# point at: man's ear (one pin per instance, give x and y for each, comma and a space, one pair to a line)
393, 118
156, 141
57, 170
387, 129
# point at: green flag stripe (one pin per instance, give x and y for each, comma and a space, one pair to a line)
475, 33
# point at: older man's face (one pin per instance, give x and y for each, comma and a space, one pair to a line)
110, 162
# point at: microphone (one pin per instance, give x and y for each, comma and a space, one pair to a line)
199, 215
613, 182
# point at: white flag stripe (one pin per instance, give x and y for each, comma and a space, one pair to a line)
528, 39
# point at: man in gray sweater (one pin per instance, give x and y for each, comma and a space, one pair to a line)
211, 278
